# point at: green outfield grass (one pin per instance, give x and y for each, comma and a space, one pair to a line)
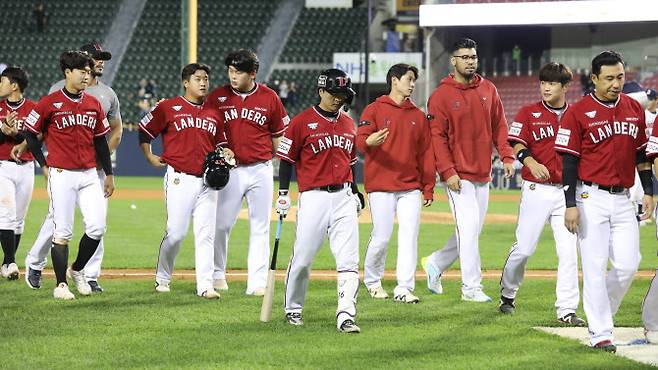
131, 326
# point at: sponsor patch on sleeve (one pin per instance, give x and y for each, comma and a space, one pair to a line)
652, 145
284, 145
146, 119
106, 123
286, 120
32, 118
562, 139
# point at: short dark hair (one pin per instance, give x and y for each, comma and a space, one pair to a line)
243, 60
606, 58
463, 43
399, 70
18, 76
191, 69
75, 60
555, 72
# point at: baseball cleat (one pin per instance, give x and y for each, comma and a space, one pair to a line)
162, 287
349, 326
210, 294
651, 335
62, 292
95, 287
79, 280
294, 318
378, 293
406, 297
433, 276
258, 292
10, 271
475, 295
220, 284
606, 345
506, 305
572, 320
33, 278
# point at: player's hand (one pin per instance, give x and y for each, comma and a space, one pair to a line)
360, 202
427, 202
571, 219
647, 207
108, 186
539, 171
17, 151
229, 156
46, 173
377, 138
509, 170
283, 203
155, 161
8, 127
454, 183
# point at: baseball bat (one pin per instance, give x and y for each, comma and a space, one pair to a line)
266, 308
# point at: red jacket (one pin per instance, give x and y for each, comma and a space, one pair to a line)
405, 160
465, 121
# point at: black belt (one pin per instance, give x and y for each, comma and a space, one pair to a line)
185, 173
18, 162
613, 189
331, 188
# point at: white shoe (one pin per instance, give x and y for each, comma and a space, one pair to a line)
378, 292
258, 292
10, 271
79, 280
433, 276
220, 284
210, 294
406, 297
475, 295
62, 292
651, 335
162, 287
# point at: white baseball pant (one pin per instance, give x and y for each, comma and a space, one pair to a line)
650, 306
186, 196
383, 207
254, 182
322, 213
469, 208
16, 185
541, 203
608, 230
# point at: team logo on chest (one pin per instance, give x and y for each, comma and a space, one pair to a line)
591, 114
607, 130
536, 114
313, 126
58, 105
252, 115
198, 123
323, 143
69, 120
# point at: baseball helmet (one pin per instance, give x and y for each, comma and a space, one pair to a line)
335, 81
216, 170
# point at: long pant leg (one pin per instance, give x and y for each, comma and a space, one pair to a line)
650, 306
180, 197
93, 268
312, 225
408, 210
204, 213
229, 203
259, 202
344, 244
382, 209
93, 207
566, 244
8, 209
24, 188
535, 207
38, 255
63, 187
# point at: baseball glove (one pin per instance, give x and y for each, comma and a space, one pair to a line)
216, 170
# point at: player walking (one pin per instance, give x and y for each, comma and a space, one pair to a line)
76, 126
466, 117
601, 138
395, 137
36, 258
320, 144
186, 138
16, 176
532, 135
254, 119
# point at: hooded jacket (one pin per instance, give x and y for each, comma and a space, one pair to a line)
465, 121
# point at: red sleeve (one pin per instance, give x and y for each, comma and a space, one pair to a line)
103, 125
499, 130
568, 138
519, 132
36, 117
290, 145
439, 127
367, 126
280, 119
426, 162
154, 122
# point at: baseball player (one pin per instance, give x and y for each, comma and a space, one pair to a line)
16, 176
532, 135
395, 137
320, 145
254, 119
601, 139
35, 261
466, 117
651, 113
186, 138
76, 126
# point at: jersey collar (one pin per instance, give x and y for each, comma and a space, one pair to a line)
603, 104
14, 107
552, 110
328, 119
82, 96
252, 92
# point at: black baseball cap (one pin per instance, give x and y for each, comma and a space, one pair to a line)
651, 94
95, 50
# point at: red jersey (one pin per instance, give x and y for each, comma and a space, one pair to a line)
186, 136
321, 149
23, 109
606, 138
405, 160
465, 122
250, 120
535, 127
71, 125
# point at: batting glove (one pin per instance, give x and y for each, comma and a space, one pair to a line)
283, 203
360, 202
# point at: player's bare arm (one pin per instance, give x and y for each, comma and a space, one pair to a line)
377, 138
537, 169
151, 158
644, 171
116, 130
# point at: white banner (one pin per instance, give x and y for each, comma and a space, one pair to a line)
353, 64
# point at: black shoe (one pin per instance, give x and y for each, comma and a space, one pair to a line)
606, 345
294, 318
506, 305
33, 278
572, 320
94, 286
349, 326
